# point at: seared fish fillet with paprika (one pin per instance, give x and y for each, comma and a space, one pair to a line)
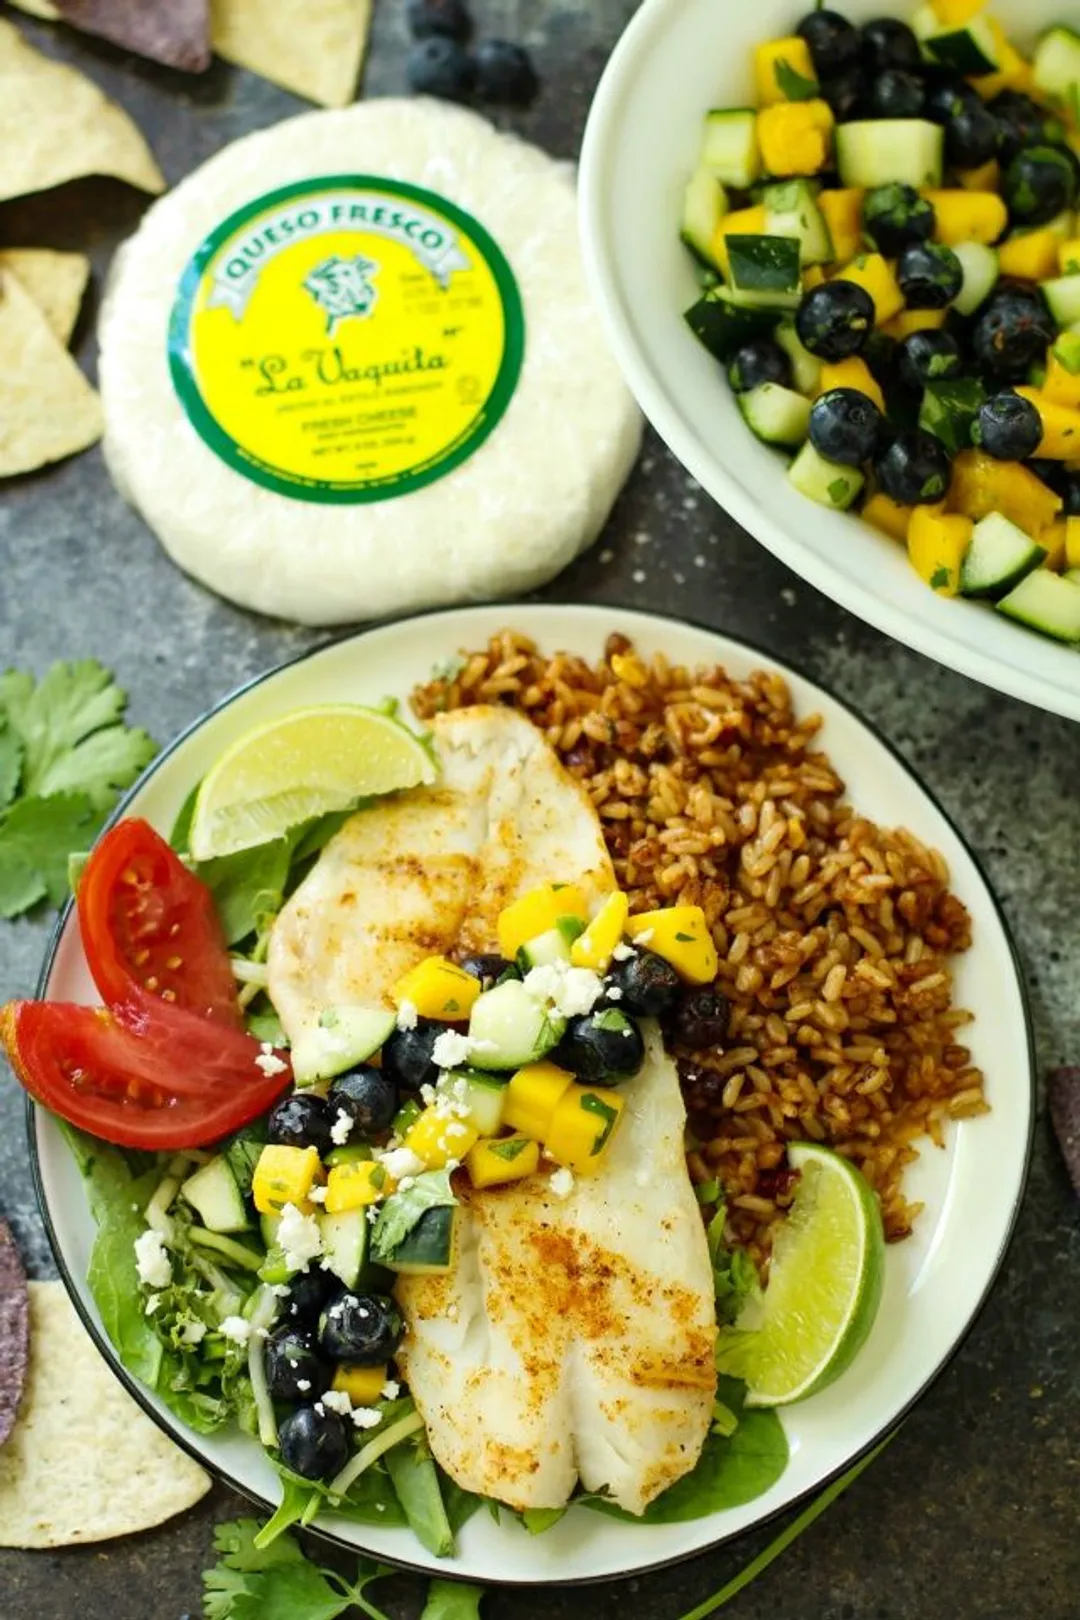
572, 1337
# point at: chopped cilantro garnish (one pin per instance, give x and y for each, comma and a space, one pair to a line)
509, 1148
795, 85
838, 490
939, 579
592, 1104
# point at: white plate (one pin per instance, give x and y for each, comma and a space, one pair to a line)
935, 1282
675, 60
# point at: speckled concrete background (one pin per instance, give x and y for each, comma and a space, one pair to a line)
971, 1513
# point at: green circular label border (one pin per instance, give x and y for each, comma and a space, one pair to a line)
335, 492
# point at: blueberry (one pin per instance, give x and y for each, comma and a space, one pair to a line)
301, 1120
1039, 184
602, 1045
313, 1444
833, 42
1071, 496
368, 1096
1007, 427
646, 984
448, 17
847, 93
439, 66
761, 360
1011, 333
363, 1329
406, 1055
1021, 123
894, 216
295, 1371
970, 134
897, 93
844, 426
835, 319
703, 1014
929, 275
504, 73
308, 1293
887, 43
488, 967
914, 469
927, 357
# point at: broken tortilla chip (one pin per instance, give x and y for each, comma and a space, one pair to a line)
312, 47
38, 8
48, 410
84, 1463
177, 34
55, 125
55, 281
14, 1330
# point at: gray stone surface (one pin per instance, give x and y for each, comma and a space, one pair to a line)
971, 1513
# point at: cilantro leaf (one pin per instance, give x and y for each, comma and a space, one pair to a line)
57, 721
795, 85
277, 1582
939, 579
11, 759
455, 1600
235, 1541
36, 837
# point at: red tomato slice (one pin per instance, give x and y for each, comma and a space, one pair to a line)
148, 924
146, 1075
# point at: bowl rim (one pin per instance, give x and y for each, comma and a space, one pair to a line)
188, 1441
614, 93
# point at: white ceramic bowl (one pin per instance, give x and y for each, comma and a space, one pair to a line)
935, 1282
676, 59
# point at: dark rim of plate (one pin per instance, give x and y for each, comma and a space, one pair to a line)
612, 612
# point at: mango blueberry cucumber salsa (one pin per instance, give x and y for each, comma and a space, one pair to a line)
890, 262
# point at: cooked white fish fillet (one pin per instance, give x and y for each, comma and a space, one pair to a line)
574, 1336
433, 868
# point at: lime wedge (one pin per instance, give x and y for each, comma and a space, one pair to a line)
306, 764
825, 1285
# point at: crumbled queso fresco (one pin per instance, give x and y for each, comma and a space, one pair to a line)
406, 1015
300, 1238
561, 1182
269, 1062
152, 1259
572, 991
451, 1049
340, 1129
236, 1329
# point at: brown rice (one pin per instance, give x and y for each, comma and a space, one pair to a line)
835, 935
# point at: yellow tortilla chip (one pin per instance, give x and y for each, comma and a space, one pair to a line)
55, 281
312, 47
55, 124
83, 1462
48, 410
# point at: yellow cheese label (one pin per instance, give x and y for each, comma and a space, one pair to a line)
346, 339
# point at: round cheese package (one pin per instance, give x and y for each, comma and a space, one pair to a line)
350, 367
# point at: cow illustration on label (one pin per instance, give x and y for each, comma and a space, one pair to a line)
342, 288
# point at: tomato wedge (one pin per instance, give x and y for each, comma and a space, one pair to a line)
148, 924
144, 1075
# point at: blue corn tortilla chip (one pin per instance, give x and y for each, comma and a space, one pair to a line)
14, 1331
175, 32
1063, 1096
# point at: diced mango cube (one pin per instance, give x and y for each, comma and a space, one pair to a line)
1060, 424
355, 1185
888, 515
1013, 70
363, 1385
1069, 256
842, 208
582, 1127
1033, 255
987, 177
981, 485
593, 948
438, 1136
851, 373
438, 989
283, 1175
498, 1159
774, 61
812, 276
915, 320
681, 936
967, 216
1052, 539
537, 912
936, 543
795, 136
1072, 542
531, 1097
873, 273
955, 13
742, 222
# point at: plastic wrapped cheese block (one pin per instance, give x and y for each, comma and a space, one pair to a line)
350, 367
